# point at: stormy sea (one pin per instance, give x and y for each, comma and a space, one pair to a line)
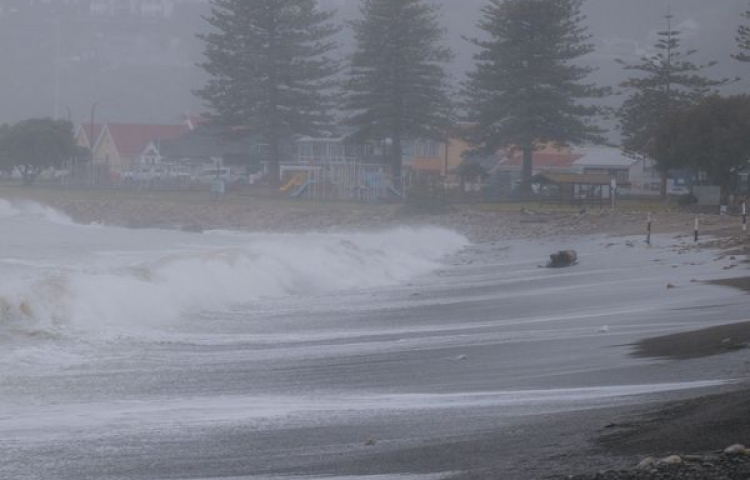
407, 353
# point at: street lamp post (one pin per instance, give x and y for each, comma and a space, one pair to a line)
91, 124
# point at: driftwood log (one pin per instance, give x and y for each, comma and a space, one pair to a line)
562, 259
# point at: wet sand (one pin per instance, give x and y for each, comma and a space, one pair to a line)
696, 344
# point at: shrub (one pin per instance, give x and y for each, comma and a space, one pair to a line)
687, 200
430, 197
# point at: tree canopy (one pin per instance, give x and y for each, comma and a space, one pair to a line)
34, 145
397, 87
527, 88
665, 83
270, 70
711, 137
743, 41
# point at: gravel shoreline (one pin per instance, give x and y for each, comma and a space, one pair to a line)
480, 223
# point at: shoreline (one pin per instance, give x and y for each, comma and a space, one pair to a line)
196, 212
606, 439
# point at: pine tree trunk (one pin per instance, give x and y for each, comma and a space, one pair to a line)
397, 152
527, 170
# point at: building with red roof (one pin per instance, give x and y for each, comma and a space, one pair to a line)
124, 145
550, 159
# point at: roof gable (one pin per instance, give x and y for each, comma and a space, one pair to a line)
133, 139
546, 159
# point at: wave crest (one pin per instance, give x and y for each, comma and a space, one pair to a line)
135, 298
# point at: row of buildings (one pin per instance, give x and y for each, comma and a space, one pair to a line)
190, 149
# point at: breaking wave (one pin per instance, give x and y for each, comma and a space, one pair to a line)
135, 294
35, 210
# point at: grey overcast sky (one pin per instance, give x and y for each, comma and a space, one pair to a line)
142, 70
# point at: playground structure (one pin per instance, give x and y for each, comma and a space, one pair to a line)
298, 180
344, 181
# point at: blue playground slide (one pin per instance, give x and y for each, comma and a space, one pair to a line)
297, 193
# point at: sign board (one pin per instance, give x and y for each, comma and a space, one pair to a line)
707, 195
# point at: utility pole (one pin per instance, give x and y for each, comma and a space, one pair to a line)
58, 34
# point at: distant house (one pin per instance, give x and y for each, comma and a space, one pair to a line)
640, 173
124, 146
547, 159
325, 149
438, 157
575, 188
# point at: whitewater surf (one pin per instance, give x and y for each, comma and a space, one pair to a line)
149, 354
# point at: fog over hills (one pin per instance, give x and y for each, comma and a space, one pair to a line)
141, 67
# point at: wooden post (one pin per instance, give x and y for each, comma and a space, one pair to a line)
648, 230
697, 228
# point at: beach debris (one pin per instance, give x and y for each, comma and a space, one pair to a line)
647, 463
370, 442
670, 286
562, 259
604, 329
736, 449
671, 460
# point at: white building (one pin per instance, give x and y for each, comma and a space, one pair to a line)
640, 172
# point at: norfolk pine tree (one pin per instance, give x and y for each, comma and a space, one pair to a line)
270, 70
667, 82
743, 41
527, 89
397, 87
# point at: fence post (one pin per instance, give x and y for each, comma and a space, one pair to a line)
648, 230
697, 228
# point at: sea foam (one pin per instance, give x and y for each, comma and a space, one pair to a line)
136, 291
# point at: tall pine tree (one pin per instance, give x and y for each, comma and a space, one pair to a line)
270, 69
527, 88
397, 86
743, 41
666, 83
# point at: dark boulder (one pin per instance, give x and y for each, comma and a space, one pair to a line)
562, 259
